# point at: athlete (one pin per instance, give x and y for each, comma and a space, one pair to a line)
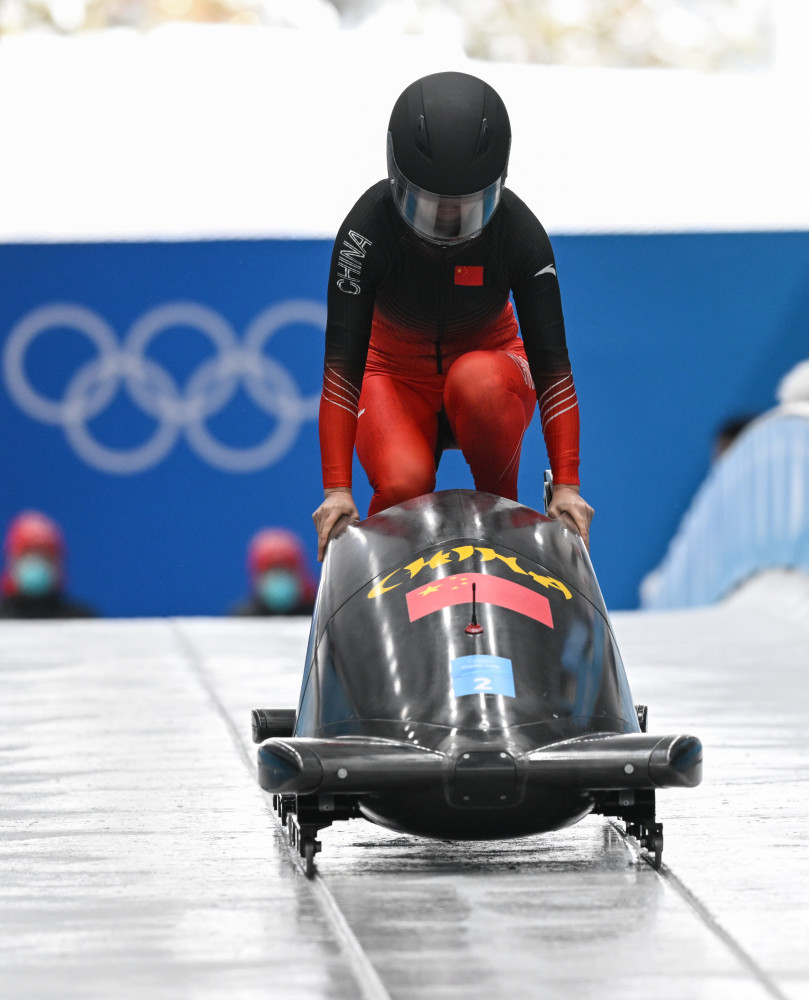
423, 350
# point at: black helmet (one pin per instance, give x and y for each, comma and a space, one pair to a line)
448, 144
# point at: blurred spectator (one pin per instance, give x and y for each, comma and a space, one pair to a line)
280, 580
33, 581
793, 389
727, 432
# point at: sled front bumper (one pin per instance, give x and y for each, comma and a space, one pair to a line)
367, 766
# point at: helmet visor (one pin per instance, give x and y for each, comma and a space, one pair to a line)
439, 218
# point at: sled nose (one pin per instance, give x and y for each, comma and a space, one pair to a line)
483, 778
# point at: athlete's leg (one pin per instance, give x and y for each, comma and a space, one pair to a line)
490, 398
396, 434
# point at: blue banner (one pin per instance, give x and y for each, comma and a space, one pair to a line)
159, 400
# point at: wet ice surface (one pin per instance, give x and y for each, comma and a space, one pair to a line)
139, 857
738, 676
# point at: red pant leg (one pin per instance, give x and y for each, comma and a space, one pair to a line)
490, 399
396, 434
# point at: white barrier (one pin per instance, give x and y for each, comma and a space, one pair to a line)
751, 514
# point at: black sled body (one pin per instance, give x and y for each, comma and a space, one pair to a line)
462, 681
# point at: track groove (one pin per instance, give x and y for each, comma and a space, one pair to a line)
369, 984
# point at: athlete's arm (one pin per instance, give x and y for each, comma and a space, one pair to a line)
356, 264
337, 504
573, 510
539, 310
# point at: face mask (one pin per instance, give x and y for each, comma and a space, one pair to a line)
34, 575
279, 589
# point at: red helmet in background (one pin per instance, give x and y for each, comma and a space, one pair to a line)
32, 533
279, 549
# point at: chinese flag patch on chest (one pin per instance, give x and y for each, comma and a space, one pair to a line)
466, 275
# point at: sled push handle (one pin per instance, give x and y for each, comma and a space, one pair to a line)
548, 489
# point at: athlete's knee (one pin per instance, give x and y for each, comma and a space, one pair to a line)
390, 493
473, 373
403, 481
406, 485
485, 383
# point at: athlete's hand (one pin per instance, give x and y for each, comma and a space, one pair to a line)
338, 504
572, 509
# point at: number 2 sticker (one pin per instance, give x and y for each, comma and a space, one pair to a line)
482, 674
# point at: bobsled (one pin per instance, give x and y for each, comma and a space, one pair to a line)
462, 682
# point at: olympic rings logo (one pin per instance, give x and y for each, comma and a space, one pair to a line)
156, 392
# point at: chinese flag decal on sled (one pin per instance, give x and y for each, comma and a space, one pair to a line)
457, 589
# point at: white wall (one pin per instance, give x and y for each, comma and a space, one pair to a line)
203, 131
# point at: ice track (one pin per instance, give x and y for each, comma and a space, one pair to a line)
140, 858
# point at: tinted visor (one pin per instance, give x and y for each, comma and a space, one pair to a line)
442, 219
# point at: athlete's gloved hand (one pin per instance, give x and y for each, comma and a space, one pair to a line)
337, 504
573, 509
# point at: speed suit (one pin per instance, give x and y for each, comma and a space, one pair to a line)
421, 336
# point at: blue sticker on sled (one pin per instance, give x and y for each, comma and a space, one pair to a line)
482, 674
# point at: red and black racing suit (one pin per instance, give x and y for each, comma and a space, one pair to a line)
415, 328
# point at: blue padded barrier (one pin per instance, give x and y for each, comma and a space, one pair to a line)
749, 515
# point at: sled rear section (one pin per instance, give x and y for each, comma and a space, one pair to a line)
462, 681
